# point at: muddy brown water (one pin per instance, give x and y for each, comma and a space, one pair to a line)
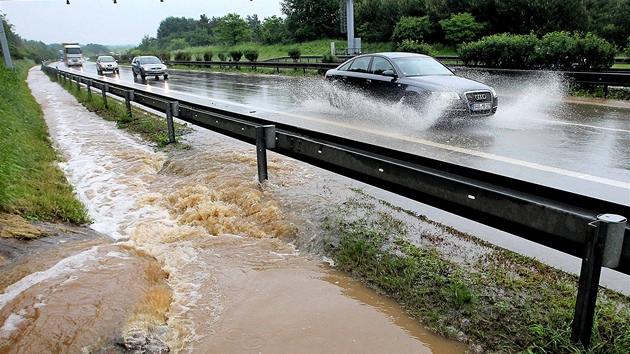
196, 256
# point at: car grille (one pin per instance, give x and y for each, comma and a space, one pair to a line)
479, 98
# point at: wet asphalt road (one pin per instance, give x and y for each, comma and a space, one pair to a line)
536, 135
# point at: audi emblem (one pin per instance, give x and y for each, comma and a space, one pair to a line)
480, 96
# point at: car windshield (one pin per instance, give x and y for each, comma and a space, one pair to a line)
150, 60
106, 59
421, 66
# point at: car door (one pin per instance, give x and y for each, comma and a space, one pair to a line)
135, 65
382, 80
354, 74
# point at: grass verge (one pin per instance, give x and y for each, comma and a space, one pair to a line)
466, 289
31, 183
150, 127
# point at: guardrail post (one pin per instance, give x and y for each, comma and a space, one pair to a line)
265, 138
172, 109
78, 82
104, 90
128, 98
89, 88
603, 248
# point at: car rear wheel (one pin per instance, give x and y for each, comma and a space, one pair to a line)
165, 77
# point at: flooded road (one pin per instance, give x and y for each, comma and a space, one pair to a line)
197, 256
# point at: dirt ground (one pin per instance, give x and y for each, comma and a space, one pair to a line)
19, 237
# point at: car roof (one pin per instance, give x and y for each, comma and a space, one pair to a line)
393, 55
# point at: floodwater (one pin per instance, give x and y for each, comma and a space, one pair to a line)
198, 255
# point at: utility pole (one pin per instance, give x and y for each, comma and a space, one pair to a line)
354, 44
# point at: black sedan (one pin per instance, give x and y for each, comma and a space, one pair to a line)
416, 79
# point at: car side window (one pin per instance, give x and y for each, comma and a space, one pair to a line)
379, 65
360, 64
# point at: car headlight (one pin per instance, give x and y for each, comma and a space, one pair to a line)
446, 95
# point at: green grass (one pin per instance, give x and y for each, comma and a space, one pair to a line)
150, 127
496, 300
31, 183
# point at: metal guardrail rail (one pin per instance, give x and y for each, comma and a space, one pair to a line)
553, 217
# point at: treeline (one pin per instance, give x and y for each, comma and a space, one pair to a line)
449, 22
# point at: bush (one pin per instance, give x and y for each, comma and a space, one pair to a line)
207, 56
295, 54
183, 56
222, 57
555, 50
251, 54
329, 58
236, 55
413, 46
164, 56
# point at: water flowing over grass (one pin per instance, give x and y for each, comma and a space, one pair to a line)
463, 288
31, 182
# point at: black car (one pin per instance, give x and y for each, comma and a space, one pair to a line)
418, 80
148, 65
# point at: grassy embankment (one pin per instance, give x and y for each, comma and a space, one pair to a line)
31, 183
494, 299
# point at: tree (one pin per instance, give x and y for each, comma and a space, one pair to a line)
411, 28
177, 44
255, 26
92, 49
376, 19
311, 19
274, 31
461, 28
233, 29
148, 44
174, 27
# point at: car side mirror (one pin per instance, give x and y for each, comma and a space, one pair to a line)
389, 73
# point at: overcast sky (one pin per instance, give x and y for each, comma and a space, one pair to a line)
103, 22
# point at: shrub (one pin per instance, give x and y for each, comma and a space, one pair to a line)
236, 55
164, 56
413, 46
207, 56
251, 54
183, 56
295, 54
222, 57
555, 50
329, 58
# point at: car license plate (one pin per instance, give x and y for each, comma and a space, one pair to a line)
480, 106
